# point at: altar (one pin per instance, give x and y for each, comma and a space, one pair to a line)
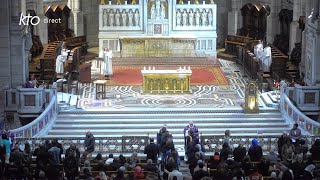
162, 46
166, 81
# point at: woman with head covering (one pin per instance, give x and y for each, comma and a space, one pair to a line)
255, 151
138, 174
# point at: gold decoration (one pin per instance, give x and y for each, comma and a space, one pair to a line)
211, 2
196, 2
170, 83
102, 2
251, 98
133, 2
180, 1
118, 2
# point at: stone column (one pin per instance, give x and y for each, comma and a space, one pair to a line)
302, 66
18, 64
295, 32
273, 25
42, 28
312, 53
78, 23
234, 17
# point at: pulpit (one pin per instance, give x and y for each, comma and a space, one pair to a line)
85, 73
166, 81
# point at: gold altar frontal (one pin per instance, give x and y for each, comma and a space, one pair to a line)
166, 81
158, 46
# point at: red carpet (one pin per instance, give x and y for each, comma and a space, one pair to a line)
131, 76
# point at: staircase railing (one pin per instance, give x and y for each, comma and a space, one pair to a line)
122, 144
214, 143
294, 115
127, 144
40, 123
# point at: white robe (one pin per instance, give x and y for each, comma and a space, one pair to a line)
106, 65
60, 61
266, 59
258, 52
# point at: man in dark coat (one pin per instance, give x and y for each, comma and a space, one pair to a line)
315, 150
89, 143
239, 152
152, 150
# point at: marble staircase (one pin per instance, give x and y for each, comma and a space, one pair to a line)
147, 122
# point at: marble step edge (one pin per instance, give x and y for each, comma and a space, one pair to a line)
210, 115
237, 110
176, 137
172, 120
146, 131
171, 126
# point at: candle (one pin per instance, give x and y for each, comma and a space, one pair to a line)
109, 2
149, 68
144, 68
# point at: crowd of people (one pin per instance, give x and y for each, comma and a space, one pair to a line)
292, 160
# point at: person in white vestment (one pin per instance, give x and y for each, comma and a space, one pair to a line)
106, 66
266, 59
258, 51
61, 58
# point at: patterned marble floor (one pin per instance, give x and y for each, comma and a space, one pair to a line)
212, 96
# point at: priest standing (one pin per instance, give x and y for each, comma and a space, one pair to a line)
106, 67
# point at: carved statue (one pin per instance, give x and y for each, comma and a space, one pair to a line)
197, 18
163, 12
111, 18
130, 18
204, 18
153, 11
210, 18
190, 17
137, 18
184, 18
178, 18
157, 9
124, 18
105, 17
117, 17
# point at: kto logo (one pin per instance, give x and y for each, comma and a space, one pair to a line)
27, 20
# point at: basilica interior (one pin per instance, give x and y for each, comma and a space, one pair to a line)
123, 69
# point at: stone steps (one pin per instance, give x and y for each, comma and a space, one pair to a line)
147, 122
